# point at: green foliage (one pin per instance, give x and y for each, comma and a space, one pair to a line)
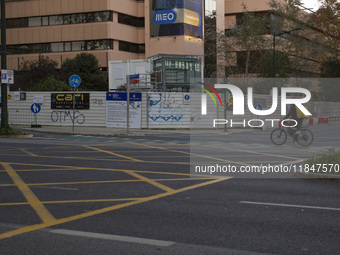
51, 84
36, 71
283, 65
330, 68
86, 66
245, 40
329, 157
210, 46
9, 131
330, 88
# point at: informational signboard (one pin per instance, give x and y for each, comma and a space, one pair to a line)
179, 17
165, 109
39, 99
134, 78
7, 76
65, 101
116, 109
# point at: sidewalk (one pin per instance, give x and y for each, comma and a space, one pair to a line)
104, 131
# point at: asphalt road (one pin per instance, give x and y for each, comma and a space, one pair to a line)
66, 194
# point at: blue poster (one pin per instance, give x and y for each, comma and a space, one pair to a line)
176, 17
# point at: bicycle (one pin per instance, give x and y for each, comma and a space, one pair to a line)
304, 136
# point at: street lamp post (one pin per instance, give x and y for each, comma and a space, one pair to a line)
4, 108
274, 46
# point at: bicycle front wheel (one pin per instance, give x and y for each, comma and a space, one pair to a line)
305, 137
278, 136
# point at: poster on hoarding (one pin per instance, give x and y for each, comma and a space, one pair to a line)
116, 109
176, 17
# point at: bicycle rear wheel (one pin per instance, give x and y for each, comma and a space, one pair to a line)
305, 137
278, 136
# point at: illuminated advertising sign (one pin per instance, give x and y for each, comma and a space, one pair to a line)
176, 17
65, 101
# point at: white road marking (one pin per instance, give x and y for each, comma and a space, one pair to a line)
44, 187
113, 237
294, 206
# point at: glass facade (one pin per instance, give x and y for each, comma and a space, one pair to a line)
63, 19
131, 47
177, 71
61, 47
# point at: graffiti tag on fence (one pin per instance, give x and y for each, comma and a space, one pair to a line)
63, 116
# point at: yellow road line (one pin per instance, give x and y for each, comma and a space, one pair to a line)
102, 169
252, 152
112, 153
28, 152
191, 154
72, 183
103, 210
104, 159
74, 201
36, 204
103, 182
150, 181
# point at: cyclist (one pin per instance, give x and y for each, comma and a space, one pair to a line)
292, 114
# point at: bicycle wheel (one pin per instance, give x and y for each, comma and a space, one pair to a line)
278, 136
305, 137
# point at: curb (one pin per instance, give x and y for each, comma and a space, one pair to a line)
84, 134
317, 176
16, 136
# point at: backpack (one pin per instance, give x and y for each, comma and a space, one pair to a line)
300, 114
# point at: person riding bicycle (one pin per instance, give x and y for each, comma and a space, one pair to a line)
292, 114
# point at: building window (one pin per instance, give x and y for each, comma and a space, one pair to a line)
55, 20
130, 20
45, 21
67, 46
78, 46
34, 22
131, 47
77, 18
61, 47
15, 23
102, 16
57, 47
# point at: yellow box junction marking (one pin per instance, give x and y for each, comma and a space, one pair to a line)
150, 181
36, 204
50, 221
112, 153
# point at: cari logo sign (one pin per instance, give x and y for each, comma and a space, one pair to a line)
238, 99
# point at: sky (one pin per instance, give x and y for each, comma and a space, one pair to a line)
311, 4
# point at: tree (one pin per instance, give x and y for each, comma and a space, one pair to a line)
210, 34
36, 71
330, 88
86, 66
308, 47
283, 65
51, 84
245, 42
330, 68
327, 18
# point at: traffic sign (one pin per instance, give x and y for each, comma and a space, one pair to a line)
186, 98
7, 76
258, 107
74, 81
35, 108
